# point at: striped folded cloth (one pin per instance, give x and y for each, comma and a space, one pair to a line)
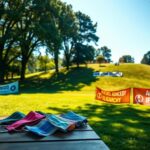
62, 124
79, 120
43, 128
30, 119
12, 118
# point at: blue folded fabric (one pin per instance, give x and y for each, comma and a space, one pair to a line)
12, 118
80, 120
43, 128
60, 123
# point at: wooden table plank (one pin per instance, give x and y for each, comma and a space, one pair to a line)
28, 137
86, 128
72, 145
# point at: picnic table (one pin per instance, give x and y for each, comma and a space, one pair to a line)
79, 139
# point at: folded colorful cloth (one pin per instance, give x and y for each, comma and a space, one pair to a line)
61, 123
43, 128
3, 129
30, 119
79, 120
12, 118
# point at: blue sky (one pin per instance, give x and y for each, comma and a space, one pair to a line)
123, 25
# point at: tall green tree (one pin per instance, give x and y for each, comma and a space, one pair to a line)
39, 26
146, 58
10, 14
29, 27
85, 35
106, 52
86, 54
68, 28
51, 27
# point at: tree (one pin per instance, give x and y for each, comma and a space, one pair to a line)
29, 27
13, 68
45, 63
86, 54
18, 25
85, 35
40, 25
32, 64
105, 52
100, 59
146, 58
68, 30
10, 14
126, 59
50, 24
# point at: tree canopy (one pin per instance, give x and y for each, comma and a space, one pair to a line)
105, 52
100, 59
146, 58
126, 59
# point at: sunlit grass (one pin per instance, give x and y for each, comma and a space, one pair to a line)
125, 126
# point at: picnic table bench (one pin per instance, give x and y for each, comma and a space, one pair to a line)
79, 139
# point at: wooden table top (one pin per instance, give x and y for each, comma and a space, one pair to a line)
79, 139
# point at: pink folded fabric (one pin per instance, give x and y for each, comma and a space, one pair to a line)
30, 119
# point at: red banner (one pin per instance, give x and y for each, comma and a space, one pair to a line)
141, 96
121, 96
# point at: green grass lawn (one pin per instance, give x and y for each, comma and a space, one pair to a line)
125, 126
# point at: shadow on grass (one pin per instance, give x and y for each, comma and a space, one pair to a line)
120, 127
72, 80
102, 66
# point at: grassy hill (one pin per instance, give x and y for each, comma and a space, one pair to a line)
134, 75
120, 126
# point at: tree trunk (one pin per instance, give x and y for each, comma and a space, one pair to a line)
6, 76
67, 61
2, 72
45, 67
67, 55
23, 68
56, 61
78, 64
67, 64
12, 75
